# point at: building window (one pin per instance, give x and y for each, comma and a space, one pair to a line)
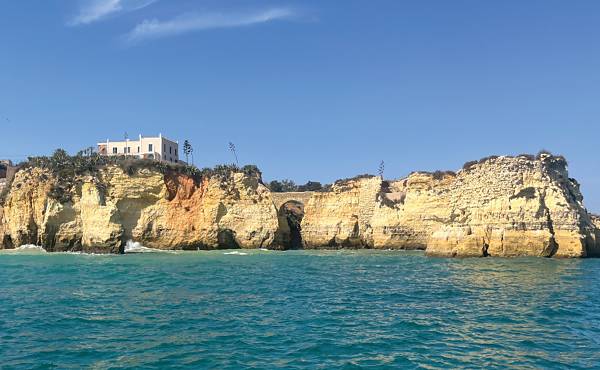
150, 148
115, 150
175, 152
138, 149
165, 157
164, 147
128, 150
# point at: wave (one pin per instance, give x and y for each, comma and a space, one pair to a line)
31, 248
237, 253
135, 247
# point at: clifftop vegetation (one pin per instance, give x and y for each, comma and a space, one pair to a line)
286, 185
557, 158
437, 175
68, 169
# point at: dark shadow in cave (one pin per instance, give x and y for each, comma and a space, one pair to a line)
293, 212
226, 239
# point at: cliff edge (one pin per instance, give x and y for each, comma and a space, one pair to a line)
100, 210
499, 206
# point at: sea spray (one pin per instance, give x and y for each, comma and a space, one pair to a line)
136, 247
236, 253
30, 248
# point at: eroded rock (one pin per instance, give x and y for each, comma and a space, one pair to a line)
164, 211
503, 206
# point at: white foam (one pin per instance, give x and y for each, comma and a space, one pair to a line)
31, 248
237, 253
135, 247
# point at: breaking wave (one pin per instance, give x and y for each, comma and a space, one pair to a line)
31, 248
135, 247
237, 253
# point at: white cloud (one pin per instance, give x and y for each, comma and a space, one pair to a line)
95, 10
153, 29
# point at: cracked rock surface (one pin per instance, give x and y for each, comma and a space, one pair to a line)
164, 211
498, 207
501, 206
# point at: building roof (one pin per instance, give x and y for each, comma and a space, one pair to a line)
160, 136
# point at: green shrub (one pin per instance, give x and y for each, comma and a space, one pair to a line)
543, 152
251, 170
283, 186
468, 165
68, 169
439, 175
326, 188
286, 186
488, 158
558, 160
530, 157
311, 186
343, 182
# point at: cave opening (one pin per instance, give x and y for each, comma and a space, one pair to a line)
226, 239
292, 212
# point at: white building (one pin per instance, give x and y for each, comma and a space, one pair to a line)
159, 148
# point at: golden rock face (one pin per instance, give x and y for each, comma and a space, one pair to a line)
503, 206
159, 211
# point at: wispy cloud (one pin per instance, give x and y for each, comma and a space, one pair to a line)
95, 10
153, 29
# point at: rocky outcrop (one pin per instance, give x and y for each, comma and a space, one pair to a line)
501, 206
595, 219
290, 211
102, 212
596, 222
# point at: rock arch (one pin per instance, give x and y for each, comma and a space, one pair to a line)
290, 211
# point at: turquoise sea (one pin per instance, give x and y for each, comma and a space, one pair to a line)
296, 310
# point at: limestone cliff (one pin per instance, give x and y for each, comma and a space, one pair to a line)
102, 211
501, 206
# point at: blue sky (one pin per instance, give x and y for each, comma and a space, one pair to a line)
308, 90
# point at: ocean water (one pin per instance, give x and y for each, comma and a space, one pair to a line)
296, 310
